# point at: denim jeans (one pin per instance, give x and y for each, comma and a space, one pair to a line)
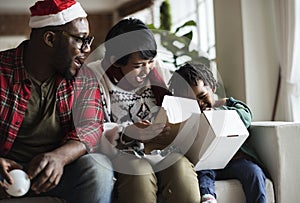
250, 175
88, 179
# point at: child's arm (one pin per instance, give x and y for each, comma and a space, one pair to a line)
242, 109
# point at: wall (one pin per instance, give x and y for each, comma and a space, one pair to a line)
17, 25
230, 46
261, 63
246, 53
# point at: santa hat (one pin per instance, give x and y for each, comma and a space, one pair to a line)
54, 12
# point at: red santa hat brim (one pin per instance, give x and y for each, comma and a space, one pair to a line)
60, 18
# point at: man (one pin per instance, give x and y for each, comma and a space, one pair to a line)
40, 87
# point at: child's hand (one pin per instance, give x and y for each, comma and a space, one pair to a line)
112, 135
163, 138
143, 131
220, 102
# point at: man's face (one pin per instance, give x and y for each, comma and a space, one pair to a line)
71, 50
204, 95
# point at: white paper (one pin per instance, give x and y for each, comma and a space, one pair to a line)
179, 109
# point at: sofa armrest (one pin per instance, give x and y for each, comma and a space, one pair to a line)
278, 146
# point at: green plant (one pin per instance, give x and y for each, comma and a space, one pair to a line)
177, 44
165, 16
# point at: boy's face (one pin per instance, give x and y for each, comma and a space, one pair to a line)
204, 95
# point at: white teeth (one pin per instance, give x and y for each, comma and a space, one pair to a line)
77, 63
141, 78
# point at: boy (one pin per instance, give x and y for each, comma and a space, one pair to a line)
197, 82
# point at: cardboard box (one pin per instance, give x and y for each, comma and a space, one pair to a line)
221, 133
209, 139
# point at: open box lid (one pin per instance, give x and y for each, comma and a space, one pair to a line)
176, 110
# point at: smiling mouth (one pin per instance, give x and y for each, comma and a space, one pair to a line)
79, 61
141, 78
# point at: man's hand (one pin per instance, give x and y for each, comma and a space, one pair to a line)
46, 170
6, 166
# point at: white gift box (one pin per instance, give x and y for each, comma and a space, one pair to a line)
209, 139
221, 133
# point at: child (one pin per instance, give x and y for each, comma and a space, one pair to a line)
200, 84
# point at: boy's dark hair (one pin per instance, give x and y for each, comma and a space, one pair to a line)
129, 36
191, 73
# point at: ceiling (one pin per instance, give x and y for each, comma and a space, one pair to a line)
91, 6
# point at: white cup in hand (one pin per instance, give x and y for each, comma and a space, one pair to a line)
21, 183
111, 132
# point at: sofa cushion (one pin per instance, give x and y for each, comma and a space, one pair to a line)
231, 191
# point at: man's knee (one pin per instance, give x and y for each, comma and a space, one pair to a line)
96, 166
93, 159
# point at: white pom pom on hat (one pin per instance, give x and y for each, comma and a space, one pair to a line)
55, 12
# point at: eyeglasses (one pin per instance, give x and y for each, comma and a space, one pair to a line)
83, 41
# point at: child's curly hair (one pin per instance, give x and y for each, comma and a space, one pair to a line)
191, 73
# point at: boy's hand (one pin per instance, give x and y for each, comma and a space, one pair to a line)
220, 102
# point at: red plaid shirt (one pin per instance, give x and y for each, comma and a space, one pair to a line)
79, 104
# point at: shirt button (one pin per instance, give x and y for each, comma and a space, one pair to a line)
17, 122
27, 82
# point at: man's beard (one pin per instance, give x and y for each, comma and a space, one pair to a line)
68, 75
63, 65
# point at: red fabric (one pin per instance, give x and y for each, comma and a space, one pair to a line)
78, 102
48, 7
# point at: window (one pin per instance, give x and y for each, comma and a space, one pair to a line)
201, 11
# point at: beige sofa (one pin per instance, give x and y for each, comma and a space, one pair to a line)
277, 144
